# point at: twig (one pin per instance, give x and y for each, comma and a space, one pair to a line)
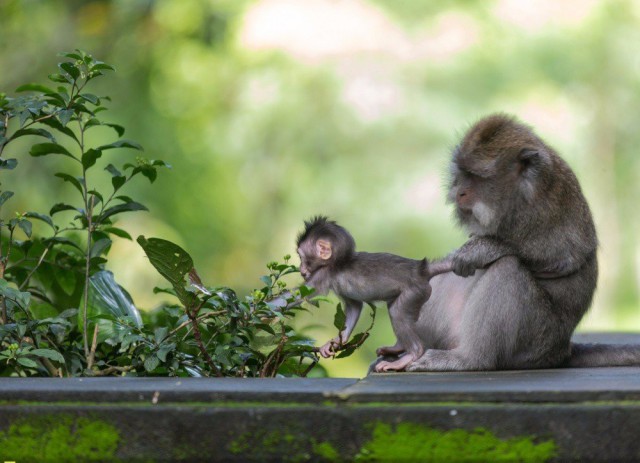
94, 346
110, 370
192, 314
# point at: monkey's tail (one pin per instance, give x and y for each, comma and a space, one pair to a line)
423, 268
604, 355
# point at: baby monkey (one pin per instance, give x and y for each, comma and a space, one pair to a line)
329, 262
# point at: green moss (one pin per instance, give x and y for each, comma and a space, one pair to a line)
283, 446
59, 438
326, 451
415, 443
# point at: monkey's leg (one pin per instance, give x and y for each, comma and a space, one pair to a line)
404, 311
396, 349
504, 317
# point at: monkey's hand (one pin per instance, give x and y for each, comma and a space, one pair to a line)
329, 349
463, 265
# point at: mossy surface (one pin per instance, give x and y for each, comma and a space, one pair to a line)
284, 446
415, 443
59, 438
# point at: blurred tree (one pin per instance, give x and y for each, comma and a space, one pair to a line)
271, 111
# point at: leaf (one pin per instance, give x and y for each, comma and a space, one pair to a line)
102, 66
27, 362
13, 294
151, 363
37, 132
117, 179
171, 261
48, 353
8, 164
75, 181
107, 297
25, 225
91, 98
75, 56
42, 217
118, 128
62, 240
265, 327
4, 196
126, 207
64, 79
340, 318
121, 144
99, 247
65, 116
90, 157
164, 350
59, 207
42, 149
70, 69
55, 123
118, 232
34, 88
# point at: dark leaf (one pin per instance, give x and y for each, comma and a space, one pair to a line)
64, 79
126, 207
151, 363
59, 207
42, 149
38, 132
44, 218
65, 116
70, 69
171, 261
62, 240
27, 362
340, 318
118, 232
91, 98
102, 66
90, 157
75, 181
48, 353
25, 225
8, 164
4, 196
121, 144
55, 123
34, 88
99, 247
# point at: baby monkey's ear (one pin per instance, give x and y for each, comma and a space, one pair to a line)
323, 249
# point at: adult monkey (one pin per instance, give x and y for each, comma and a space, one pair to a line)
527, 274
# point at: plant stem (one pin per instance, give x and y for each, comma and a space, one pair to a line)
193, 316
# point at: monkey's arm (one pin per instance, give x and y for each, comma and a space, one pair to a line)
352, 310
478, 252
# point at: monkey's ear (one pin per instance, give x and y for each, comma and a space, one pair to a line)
323, 248
532, 159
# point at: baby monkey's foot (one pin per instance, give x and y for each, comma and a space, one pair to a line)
397, 365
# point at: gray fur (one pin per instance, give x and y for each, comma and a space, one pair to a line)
358, 277
528, 273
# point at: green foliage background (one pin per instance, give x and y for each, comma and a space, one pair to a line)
272, 111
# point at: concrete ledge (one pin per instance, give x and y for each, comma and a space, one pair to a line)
540, 415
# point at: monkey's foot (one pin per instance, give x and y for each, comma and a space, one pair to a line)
389, 350
397, 365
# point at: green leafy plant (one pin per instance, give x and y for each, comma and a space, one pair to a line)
249, 336
63, 314
61, 270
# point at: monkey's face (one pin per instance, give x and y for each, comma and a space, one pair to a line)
313, 256
476, 198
